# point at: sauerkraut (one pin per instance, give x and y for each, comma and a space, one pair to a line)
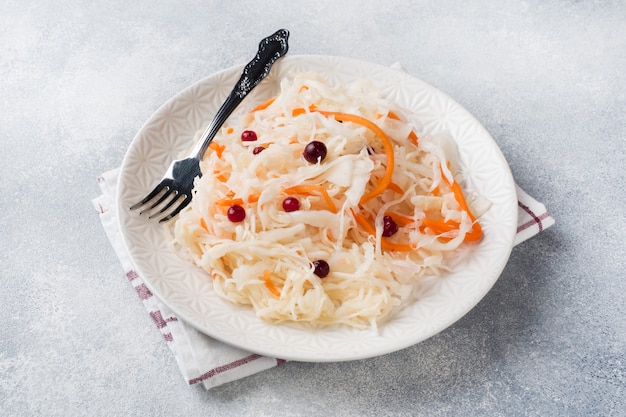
381, 208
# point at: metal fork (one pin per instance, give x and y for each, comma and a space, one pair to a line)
175, 189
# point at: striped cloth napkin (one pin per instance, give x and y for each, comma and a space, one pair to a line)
203, 360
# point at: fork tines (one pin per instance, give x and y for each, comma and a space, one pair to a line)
165, 197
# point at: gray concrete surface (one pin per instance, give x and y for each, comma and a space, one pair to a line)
546, 78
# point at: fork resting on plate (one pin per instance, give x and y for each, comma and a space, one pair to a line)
174, 192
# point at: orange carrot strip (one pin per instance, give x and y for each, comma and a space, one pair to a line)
219, 149
384, 243
387, 145
362, 221
230, 130
477, 231
264, 105
396, 247
439, 226
229, 201
253, 198
395, 187
203, 224
393, 116
269, 284
475, 235
401, 219
298, 111
312, 189
412, 135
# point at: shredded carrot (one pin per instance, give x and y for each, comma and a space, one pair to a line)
395, 187
229, 201
440, 226
388, 147
362, 221
477, 232
269, 284
311, 190
219, 149
401, 219
264, 105
298, 111
230, 130
203, 224
412, 135
253, 198
384, 243
221, 178
393, 116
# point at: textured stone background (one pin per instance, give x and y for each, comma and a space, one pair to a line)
546, 78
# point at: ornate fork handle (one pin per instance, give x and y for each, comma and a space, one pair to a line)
270, 49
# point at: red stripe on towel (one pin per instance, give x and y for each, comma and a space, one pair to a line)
159, 320
143, 292
537, 220
224, 368
131, 275
531, 214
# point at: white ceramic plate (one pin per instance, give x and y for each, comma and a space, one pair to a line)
187, 290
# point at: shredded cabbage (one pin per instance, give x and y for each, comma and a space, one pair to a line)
371, 276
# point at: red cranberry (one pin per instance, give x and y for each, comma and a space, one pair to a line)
390, 227
248, 136
258, 150
321, 268
236, 213
291, 204
314, 151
